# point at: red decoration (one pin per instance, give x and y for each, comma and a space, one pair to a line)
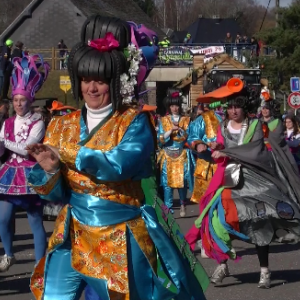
108, 43
266, 130
175, 95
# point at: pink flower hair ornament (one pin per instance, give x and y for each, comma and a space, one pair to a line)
106, 44
26, 78
175, 95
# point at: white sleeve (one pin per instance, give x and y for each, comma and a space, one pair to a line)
2, 132
2, 147
37, 132
167, 134
297, 136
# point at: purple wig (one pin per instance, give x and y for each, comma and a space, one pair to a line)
146, 40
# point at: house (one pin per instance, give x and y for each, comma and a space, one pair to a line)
209, 31
177, 37
44, 22
195, 81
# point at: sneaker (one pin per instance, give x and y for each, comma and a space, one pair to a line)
265, 280
199, 245
219, 274
182, 211
6, 262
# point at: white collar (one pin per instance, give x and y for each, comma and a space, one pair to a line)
26, 116
99, 113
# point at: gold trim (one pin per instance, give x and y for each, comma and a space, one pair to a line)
68, 153
161, 139
46, 188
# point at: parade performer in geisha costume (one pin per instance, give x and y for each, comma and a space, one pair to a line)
105, 236
175, 159
203, 131
251, 196
57, 110
17, 132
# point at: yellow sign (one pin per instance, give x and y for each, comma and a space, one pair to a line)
65, 83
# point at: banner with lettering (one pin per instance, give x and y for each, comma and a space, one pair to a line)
181, 55
175, 55
208, 52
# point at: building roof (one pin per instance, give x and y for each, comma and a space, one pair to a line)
177, 37
58, 18
211, 31
124, 9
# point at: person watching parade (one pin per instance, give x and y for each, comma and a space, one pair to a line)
165, 43
5, 60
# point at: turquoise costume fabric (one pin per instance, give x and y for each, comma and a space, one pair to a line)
131, 158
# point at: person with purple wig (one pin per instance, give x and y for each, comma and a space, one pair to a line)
16, 133
105, 236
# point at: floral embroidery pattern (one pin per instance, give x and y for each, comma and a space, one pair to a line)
22, 134
48, 186
37, 279
101, 252
119, 259
118, 237
57, 237
53, 132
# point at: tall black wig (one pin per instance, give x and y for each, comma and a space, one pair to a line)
87, 62
103, 54
96, 26
174, 97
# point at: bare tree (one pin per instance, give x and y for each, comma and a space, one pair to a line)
179, 14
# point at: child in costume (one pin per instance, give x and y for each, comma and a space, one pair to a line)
175, 159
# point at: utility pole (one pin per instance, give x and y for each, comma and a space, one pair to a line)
164, 13
177, 16
277, 5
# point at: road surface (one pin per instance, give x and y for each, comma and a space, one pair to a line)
284, 264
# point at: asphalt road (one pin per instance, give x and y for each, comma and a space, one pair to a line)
242, 285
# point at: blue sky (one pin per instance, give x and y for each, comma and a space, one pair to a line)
282, 2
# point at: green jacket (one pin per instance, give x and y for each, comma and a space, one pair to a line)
164, 43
